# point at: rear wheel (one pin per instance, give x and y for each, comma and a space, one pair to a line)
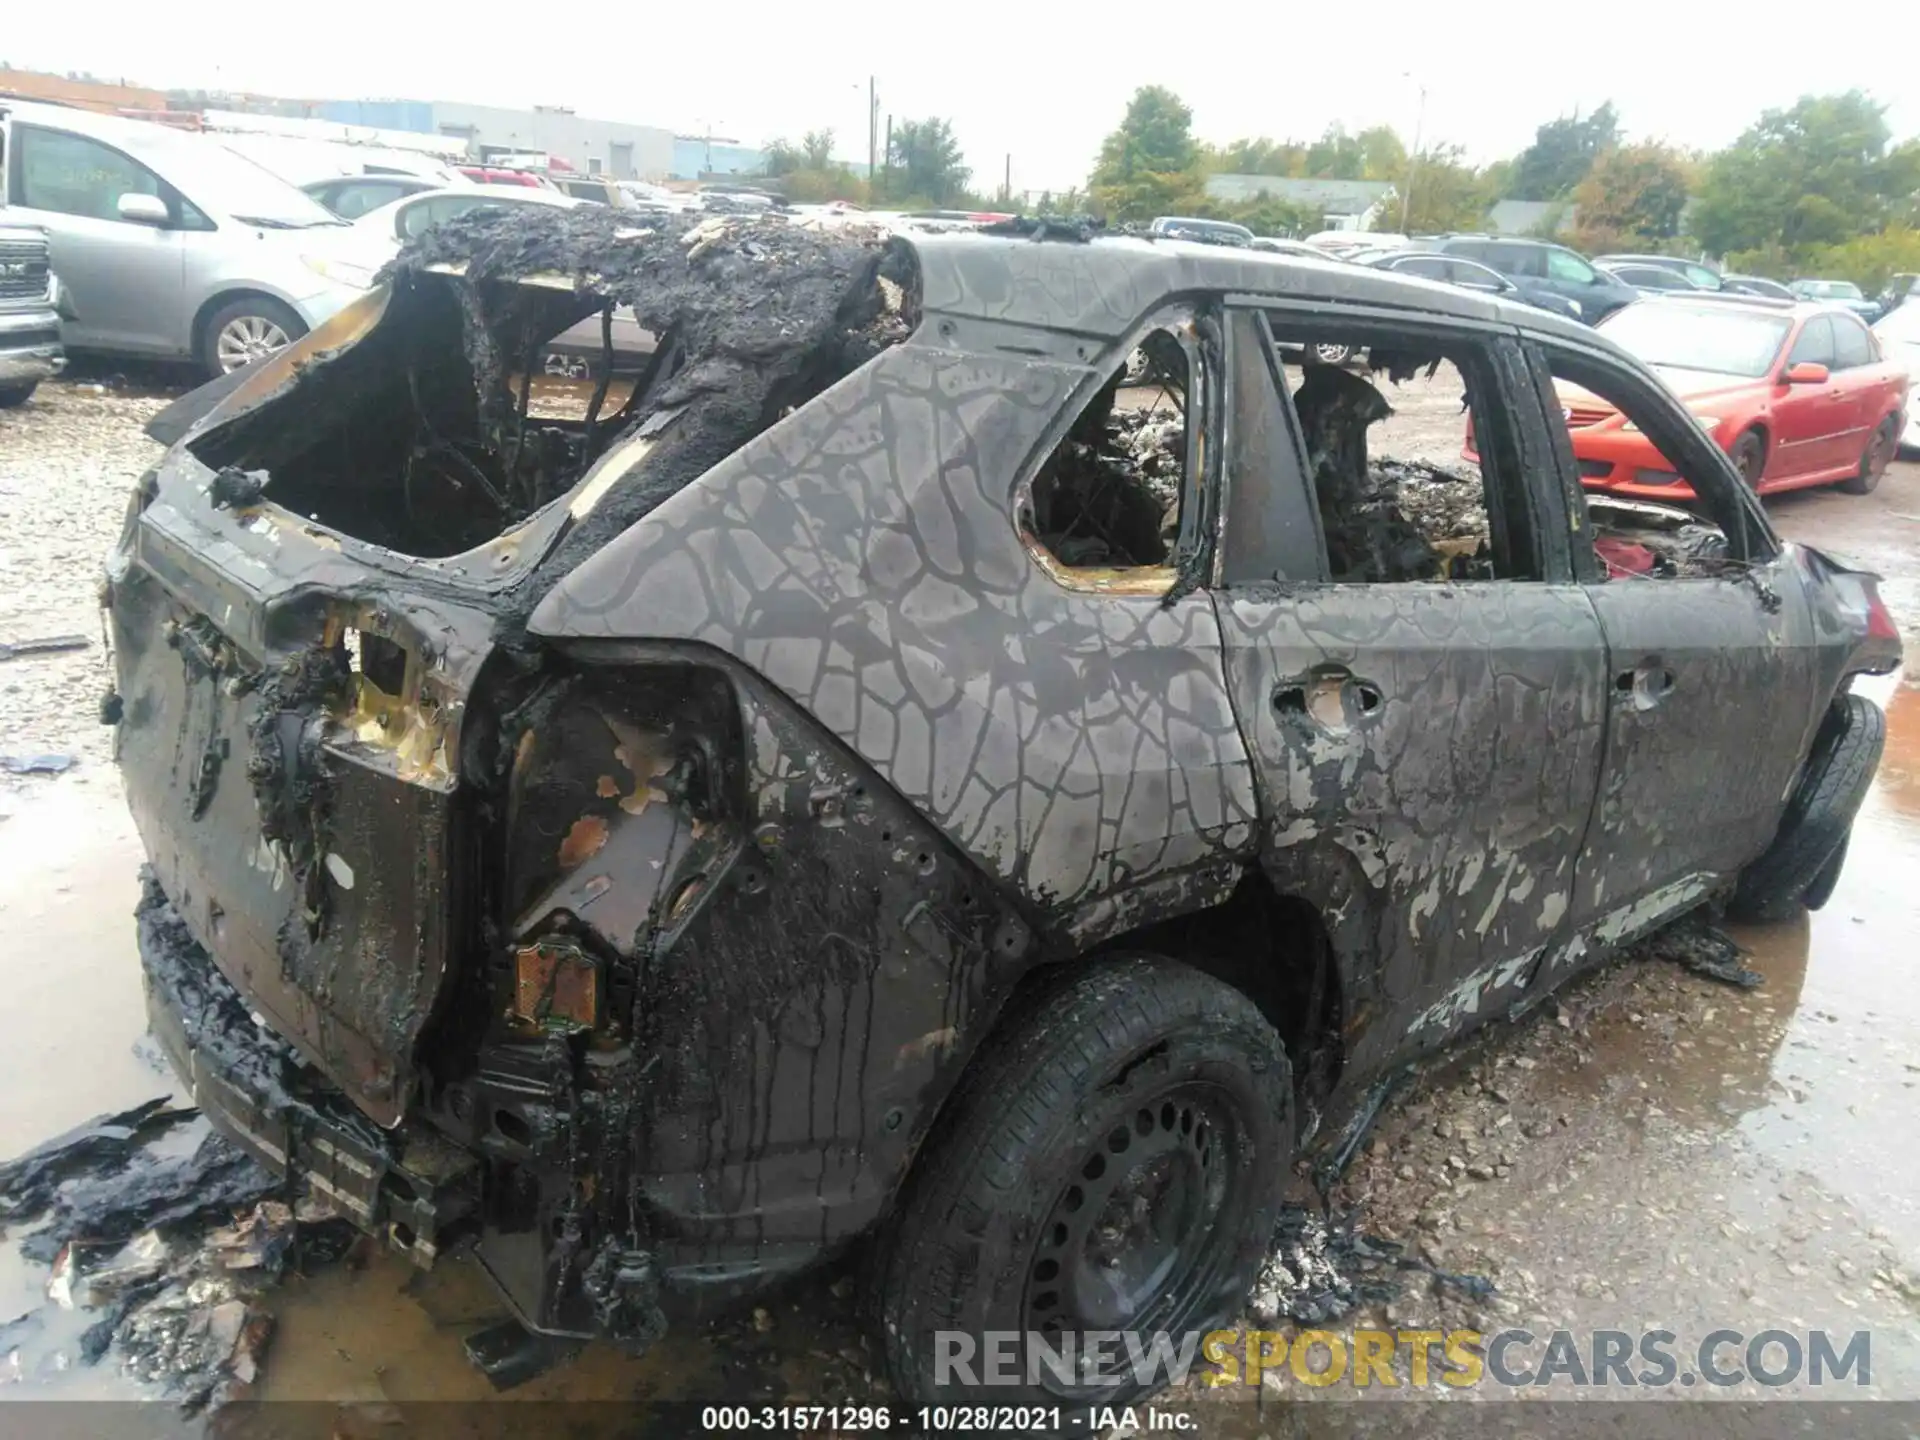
1873, 461
1114, 1162
1795, 868
244, 330
1750, 458
12, 395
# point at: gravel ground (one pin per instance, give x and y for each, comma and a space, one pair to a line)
68, 459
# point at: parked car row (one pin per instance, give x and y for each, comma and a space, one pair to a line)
1797, 396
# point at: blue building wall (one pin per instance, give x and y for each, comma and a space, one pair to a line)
413, 115
690, 158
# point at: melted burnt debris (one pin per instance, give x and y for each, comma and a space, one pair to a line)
169, 1247
1705, 949
286, 772
749, 318
519, 346
234, 488
1321, 1269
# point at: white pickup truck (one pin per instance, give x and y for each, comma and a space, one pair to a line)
29, 314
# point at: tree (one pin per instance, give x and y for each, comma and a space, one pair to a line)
1448, 194
1562, 152
781, 158
1150, 165
1383, 155
1818, 173
926, 160
1633, 195
1255, 157
1270, 215
816, 150
1336, 155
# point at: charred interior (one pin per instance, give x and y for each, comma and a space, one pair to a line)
439, 430
1393, 515
1109, 497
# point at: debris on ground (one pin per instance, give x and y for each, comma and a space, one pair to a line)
51, 764
28, 1183
215, 1180
1321, 1268
1705, 949
169, 1249
46, 645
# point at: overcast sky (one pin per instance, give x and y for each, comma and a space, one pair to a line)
1041, 81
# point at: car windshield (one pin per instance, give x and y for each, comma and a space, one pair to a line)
1901, 325
215, 178
1833, 289
1690, 338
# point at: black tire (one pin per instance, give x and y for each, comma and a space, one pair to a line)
1139, 1092
1750, 457
15, 395
256, 315
1834, 782
1822, 888
1873, 460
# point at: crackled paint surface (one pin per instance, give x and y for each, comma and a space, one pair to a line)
864, 557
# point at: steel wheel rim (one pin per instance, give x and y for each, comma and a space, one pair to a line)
247, 338
1126, 1245
1330, 354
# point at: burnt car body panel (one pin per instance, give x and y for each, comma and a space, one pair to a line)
651, 873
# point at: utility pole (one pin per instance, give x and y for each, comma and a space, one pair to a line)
1006, 187
1413, 156
873, 121
886, 163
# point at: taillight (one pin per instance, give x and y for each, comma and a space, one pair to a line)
1880, 624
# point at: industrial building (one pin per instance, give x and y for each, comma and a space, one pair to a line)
594, 147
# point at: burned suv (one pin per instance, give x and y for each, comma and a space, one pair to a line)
867, 772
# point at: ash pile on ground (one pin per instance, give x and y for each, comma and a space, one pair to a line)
168, 1237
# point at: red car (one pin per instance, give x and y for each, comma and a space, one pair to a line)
1798, 395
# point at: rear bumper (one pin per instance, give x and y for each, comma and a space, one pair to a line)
416, 1190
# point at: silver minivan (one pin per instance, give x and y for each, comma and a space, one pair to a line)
167, 243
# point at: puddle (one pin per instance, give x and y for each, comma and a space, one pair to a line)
1846, 1081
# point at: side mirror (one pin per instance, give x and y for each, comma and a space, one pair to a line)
1806, 373
143, 209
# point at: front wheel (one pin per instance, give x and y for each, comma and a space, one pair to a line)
15, 395
1800, 868
1113, 1162
244, 330
1873, 460
1749, 455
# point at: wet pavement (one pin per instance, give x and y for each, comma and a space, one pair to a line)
1660, 1149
